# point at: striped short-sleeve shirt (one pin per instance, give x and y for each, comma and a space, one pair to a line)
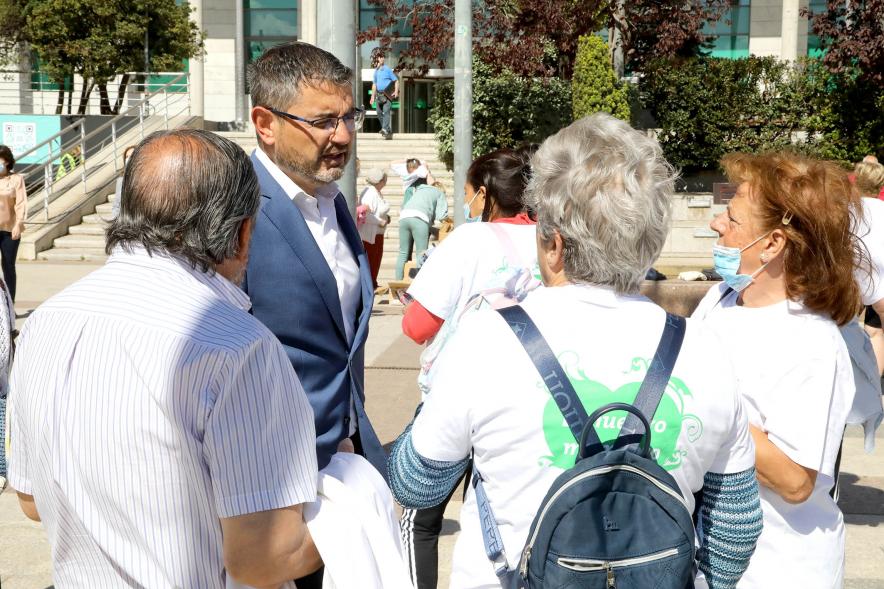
145, 405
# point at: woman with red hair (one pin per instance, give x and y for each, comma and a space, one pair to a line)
787, 255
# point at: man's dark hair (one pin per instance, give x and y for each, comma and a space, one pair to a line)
6, 154
186, 193
276, 78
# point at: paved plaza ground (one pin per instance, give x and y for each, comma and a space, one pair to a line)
391, 361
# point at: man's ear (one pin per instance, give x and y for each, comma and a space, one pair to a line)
245, 239
264, 121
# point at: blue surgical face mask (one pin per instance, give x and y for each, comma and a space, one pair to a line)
727, 263
466, 211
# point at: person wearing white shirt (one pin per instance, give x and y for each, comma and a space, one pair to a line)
376, 219
156, 428
601, 191
786, 253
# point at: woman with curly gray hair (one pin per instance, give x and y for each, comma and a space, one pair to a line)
602, 194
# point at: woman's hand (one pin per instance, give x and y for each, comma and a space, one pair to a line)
17, 230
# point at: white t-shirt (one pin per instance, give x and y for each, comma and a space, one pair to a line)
488, 396
870, 229
378, 208
467, 261
794, 373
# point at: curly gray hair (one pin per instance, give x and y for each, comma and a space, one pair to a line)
606, 189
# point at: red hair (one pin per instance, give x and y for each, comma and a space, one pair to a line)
821, 250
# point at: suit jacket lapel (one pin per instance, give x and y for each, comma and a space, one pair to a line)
347, 227
287, 218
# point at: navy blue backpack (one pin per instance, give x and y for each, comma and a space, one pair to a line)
617, 519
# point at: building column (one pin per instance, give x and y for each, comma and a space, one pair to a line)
789, 37
336, 33
196, 67
239, 66
307, 14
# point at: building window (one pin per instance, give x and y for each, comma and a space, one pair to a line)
268, 23
732, 32
814, 42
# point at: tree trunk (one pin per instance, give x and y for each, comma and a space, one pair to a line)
59, 106
84, 96
104, 99
121, 94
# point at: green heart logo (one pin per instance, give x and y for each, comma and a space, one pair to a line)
666, 427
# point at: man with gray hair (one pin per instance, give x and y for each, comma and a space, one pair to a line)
602, 194
156, 428
308, 276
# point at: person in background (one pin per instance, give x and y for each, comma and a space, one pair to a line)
413, 172
477, 259
13, 212
602, 193
382, 96
426, 205
787, 256
157, 429
376, 219
118, 193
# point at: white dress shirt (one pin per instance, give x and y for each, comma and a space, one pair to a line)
145, 404
319, 213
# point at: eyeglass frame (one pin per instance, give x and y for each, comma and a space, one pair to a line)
358, 115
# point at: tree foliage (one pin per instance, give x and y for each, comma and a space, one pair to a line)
852, 33
100, 39
706, 107
594, 86
540, 37
508, 111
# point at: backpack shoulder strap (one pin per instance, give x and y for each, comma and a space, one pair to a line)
650, 393
509, 246
550, 370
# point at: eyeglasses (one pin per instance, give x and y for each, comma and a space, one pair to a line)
352, 120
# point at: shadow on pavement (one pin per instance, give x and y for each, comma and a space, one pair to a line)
860, 498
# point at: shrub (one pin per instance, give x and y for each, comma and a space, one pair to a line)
594, 85
508, 111
707, 107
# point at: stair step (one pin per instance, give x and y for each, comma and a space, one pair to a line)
88, 229
96, 219
95, 242
105, 209
73, 255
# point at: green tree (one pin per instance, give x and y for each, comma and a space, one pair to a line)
594, 86
508, 110
100, 39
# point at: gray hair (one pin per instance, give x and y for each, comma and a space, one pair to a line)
276, 78
605, 189
187, 193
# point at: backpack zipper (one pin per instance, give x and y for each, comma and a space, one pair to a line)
526, 554
591, 564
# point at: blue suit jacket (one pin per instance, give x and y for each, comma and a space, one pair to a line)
294, 293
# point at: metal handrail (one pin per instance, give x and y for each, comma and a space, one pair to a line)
137, 105
119, 124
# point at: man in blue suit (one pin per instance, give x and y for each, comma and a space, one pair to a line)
308, 276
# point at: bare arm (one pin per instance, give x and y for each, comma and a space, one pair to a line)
268, 548
374, 94
21, 208
776, 471
28, 507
